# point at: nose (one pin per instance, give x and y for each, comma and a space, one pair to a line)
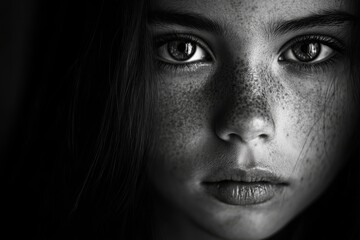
246, 114
245, 128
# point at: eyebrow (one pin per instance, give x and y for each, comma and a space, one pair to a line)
197, 21
186, 19
325, 18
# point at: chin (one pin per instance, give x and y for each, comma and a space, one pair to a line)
245, 223
250, 231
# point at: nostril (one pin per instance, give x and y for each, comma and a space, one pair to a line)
234, 136
263, 136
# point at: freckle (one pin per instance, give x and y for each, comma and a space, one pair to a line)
302, 179
307, 160
287, 135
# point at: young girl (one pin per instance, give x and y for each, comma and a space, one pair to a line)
255, 113
212, 120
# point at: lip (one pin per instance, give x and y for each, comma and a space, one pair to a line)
244, 187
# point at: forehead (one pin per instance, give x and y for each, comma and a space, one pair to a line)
253, 11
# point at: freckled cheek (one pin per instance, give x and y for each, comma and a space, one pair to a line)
320, 123
183, 113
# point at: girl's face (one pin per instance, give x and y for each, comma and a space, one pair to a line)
254, 111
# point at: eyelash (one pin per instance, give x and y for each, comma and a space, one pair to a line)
187, 37
333, 43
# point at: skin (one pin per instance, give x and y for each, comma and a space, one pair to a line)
246, 110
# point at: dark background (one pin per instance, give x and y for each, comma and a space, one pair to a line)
40, 41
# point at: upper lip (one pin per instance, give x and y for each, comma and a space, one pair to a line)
254, 175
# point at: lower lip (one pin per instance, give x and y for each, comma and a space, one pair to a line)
243, 193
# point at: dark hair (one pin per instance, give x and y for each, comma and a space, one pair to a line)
94, 134
114, 86
77, 168
110, 126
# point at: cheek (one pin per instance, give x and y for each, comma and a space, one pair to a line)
182, 117
318, 122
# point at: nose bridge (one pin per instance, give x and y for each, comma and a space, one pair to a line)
249, 97
246, 110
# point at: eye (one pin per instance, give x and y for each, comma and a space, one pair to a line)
181, 50
310, 50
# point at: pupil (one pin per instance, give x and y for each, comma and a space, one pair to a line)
181, 47
306, 52
181, 50
305, 48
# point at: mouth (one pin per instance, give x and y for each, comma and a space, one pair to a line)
239, 187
